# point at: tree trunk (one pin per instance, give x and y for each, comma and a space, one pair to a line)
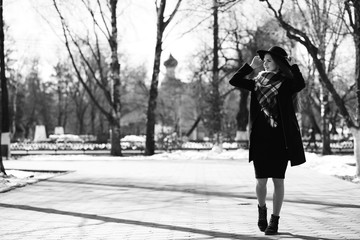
325, 111
92, 120
356, 35
151, 118
14, 110
81, 120
356, 134
215, 94
115, 77
4, 92
60, 105
5, 126
160, 28
65, 114
193, 126
115, 138
352, 7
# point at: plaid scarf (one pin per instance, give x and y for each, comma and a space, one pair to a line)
266, 89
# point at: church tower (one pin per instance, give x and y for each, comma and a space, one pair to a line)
170, 65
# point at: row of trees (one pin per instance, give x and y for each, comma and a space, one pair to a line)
94, 90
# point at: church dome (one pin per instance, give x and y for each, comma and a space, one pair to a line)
171, 62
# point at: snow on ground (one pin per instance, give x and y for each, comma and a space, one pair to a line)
342, 166
17, 178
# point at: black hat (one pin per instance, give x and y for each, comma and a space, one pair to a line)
276, 52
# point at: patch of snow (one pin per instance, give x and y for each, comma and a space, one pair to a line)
335, 165
19, 178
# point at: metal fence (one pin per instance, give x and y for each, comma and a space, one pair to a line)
337, 146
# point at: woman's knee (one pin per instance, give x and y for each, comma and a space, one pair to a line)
278, 182
261, 182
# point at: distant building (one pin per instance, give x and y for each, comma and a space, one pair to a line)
176, 104
170, 82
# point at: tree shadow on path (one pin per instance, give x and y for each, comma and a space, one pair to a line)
190, 190
213, 234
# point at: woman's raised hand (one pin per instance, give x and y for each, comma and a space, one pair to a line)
290, 60
256, 62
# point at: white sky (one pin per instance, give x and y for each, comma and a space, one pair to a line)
35, 28
32, 24
33, 35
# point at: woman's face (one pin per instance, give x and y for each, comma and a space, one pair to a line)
269, 64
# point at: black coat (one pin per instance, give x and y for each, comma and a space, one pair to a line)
287, 119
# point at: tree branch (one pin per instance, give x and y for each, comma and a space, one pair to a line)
172, 14
65, 30
106, 34
301, 37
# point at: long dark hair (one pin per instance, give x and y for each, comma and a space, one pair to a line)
284, 66
284, 69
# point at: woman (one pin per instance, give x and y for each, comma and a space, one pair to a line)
274, 131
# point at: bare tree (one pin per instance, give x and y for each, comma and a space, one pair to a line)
299, 35
4, 118
242, 116
215, 97
353, 9
161, 26
111, 84
214, 67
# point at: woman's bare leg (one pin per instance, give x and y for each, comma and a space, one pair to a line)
278, 197
261, 191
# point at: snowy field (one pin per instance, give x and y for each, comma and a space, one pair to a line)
342, 166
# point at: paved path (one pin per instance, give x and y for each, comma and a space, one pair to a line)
172, 199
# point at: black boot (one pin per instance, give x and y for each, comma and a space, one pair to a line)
262, 221
272, 229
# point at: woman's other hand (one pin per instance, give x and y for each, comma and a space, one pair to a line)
256, 62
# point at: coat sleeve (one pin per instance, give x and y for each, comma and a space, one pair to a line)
239, 80
298, 82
